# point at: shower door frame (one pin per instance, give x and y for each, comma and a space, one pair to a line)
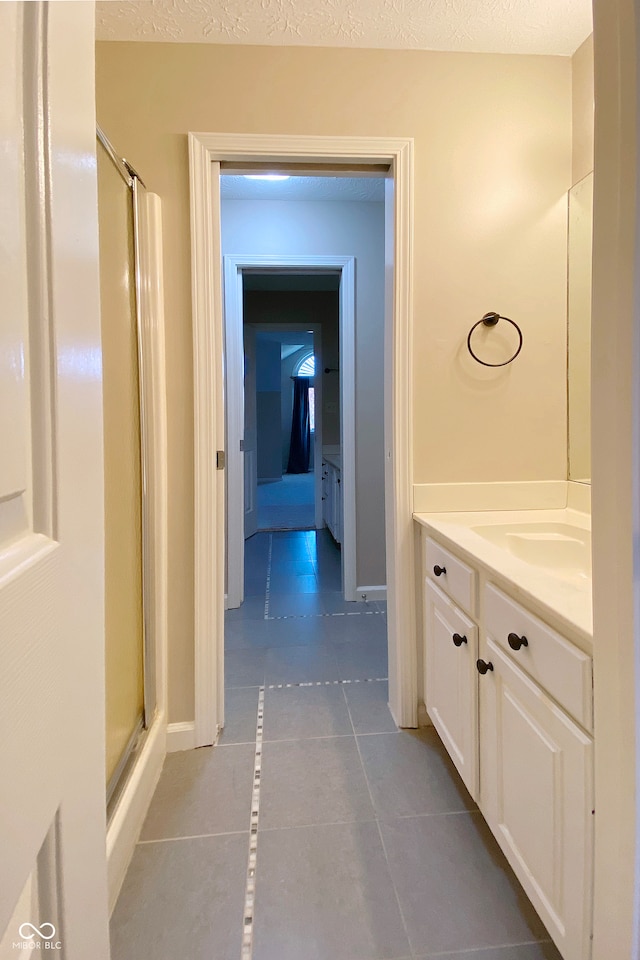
140, 777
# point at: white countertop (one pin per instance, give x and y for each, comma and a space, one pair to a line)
334, 457
565, 601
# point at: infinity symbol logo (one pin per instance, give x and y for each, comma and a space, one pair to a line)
39, 931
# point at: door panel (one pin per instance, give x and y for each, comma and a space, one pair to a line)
52, 823
124, 635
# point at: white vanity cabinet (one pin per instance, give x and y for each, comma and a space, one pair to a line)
513, 706
451, 681
536, 794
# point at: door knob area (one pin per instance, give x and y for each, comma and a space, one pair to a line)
439, 570
458, 639
515, 642
483, 666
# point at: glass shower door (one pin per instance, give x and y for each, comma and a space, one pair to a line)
124, 606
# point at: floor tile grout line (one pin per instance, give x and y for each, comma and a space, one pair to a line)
304, 616
471, 950
373, 819
377, 821
195, 836
313, 616
250, 889
323, 683
306, 683
346, 702
327, 736
267, 591
320, 823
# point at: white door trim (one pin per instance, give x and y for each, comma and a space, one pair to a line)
232, 271
206, 151
615, 431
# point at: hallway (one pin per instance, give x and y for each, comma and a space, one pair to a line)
359, 841
288, 503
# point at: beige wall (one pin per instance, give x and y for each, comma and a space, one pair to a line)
492, 168
582, 110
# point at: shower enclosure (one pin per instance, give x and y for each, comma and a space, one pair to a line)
129, 658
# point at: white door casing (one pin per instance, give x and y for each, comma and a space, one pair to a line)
250, 437
615, 436
52, 805
206, 151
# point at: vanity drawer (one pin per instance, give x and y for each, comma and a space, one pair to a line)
456, 578
560, 668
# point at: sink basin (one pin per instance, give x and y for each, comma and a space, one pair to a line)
553, 546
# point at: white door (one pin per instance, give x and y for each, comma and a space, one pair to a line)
250, 434
52, 803
451, 681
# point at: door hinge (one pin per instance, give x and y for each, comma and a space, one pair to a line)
220, 460
242, 446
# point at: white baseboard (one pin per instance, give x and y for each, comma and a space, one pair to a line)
373, 593
181, 736
518, 495
125, 825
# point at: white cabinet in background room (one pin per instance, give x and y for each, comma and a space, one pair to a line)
512, 702
332, 499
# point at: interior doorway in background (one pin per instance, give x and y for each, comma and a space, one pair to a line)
290, 338
287, 423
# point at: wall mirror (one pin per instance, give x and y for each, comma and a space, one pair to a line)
579, 329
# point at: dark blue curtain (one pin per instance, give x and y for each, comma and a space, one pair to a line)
300, 448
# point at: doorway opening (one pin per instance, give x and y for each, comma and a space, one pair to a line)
287, 432
287, 300
392, 159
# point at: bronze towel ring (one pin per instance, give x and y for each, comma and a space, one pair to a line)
490, 320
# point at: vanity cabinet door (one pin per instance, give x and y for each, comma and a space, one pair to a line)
327, 495
337, 506
536, 793
451, 681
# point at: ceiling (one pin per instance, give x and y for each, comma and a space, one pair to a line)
303, 188
488, 26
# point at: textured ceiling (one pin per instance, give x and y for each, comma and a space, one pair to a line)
302, 188
491, 26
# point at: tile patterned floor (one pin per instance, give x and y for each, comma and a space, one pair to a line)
368, 846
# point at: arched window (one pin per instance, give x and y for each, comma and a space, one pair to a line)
307, 366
